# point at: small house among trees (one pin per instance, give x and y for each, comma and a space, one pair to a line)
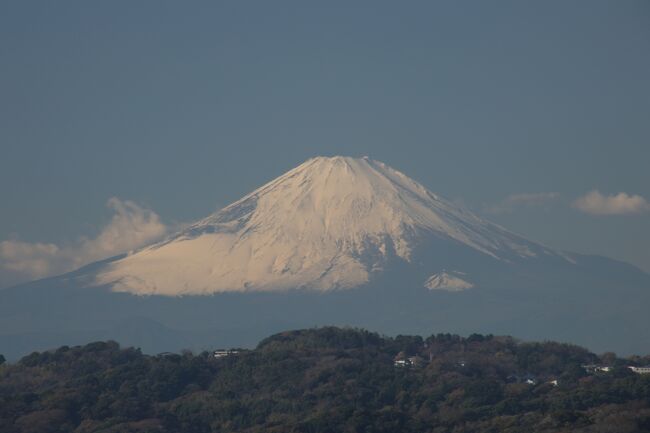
220, 353
401, 360
641, 370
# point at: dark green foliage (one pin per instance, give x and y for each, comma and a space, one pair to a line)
325, 380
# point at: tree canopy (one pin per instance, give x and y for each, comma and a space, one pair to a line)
324, 380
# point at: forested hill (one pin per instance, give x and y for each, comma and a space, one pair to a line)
328, 380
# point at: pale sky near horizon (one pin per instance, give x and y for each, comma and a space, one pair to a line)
166, 111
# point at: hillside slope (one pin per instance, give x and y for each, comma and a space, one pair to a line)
327, 380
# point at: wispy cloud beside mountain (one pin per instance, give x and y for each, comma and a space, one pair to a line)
131, 227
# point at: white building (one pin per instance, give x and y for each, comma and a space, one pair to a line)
641, 370
593, 368
401, 363
412, 361
224, 352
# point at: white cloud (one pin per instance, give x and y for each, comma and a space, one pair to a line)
131, 227
526, 199
596, 203
28, 258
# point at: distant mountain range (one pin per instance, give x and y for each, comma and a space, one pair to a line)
344, 241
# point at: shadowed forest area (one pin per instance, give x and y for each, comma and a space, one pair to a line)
328, 380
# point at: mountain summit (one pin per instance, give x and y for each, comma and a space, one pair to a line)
330, 223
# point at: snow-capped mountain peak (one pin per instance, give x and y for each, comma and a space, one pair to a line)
331, 222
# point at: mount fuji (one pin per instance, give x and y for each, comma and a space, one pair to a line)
336, 240
329, 224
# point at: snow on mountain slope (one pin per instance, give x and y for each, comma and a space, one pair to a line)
452, 281
329, 223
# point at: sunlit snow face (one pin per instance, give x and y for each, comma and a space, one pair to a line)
453, 281
326, 224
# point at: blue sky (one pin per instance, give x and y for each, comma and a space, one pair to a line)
517, 109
